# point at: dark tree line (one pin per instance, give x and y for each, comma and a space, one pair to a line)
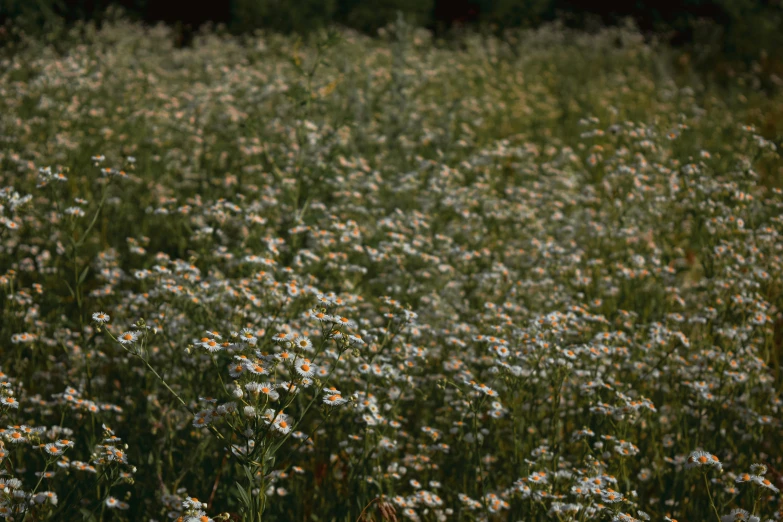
740, 25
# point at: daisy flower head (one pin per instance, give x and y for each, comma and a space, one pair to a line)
344, 322
321, 316
483, 388
703, 459
410, 316
304, 343
74, 211
282, 423
238, 368
325, 300
9, 223
52, 449
128, 337
268, 389
355, 340
100, 317
116, 455
46, 496
289, 387
211, 345
282, 337
23, 338
248, 336
16, 437
765, 483
257, 368
305, 368
198, 516
739, 515
202, 419
611, 497
334, 399
284, 356
9, 402
192, 503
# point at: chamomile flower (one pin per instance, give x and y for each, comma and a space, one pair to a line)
611, 497
193, 503
305, 368
334, 399
9, 402
211, 345
238, 368
198, 516
46, 497
303, 343
282, 337
101, 317
739, 515
284, 356
64, 443
322, 317
202, 419
702, 459
128, 337
268, 390
53, 449
16, 437
344, 322
765, 483
282, 423
214, 334
256, 368
248, 336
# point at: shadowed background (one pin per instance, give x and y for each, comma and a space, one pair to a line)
738, 27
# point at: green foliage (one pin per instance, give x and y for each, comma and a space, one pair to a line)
39, 17
516, 13
302, 16
371, 16
332, 277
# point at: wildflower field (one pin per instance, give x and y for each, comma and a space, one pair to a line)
352, 279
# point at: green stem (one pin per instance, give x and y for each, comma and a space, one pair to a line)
709, 494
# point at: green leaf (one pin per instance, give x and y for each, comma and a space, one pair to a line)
248, 473
243, 496
84, 274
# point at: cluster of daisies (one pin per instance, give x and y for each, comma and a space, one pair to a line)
532, 278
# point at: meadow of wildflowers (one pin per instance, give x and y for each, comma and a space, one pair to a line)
536, 278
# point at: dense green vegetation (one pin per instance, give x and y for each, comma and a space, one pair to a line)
739, 28
535, 277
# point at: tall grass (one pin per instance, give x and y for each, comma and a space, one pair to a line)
345, 279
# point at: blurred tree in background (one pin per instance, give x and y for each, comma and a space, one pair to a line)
736, 28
